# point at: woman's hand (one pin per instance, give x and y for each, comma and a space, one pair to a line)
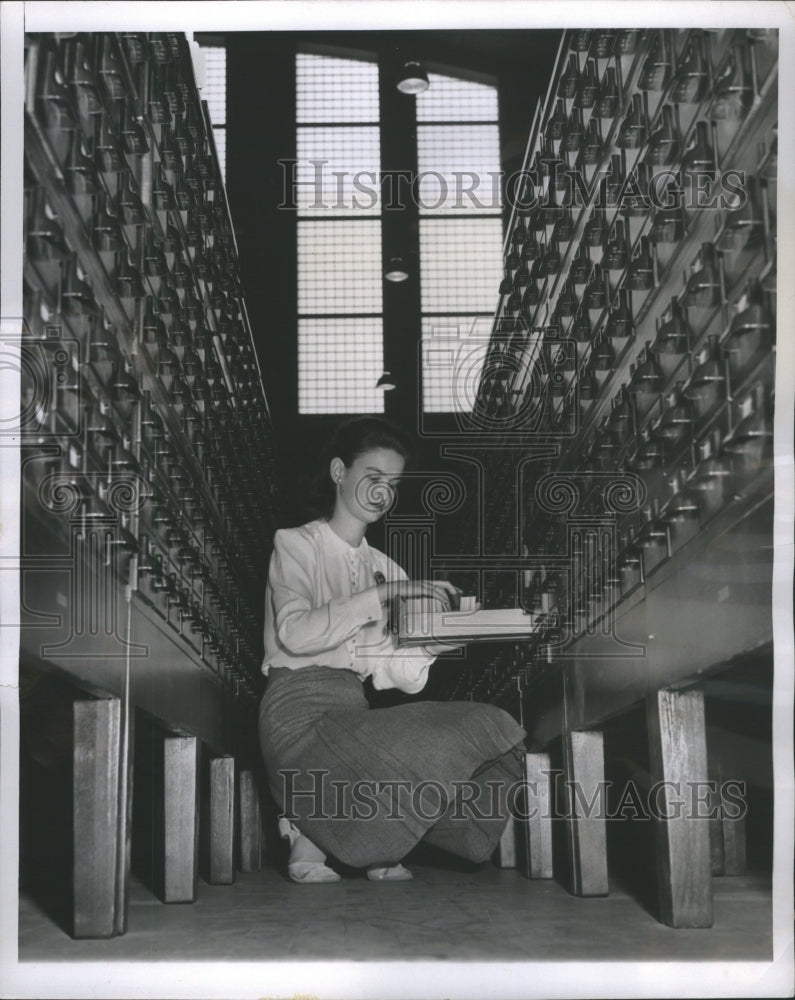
437, 648
437, 590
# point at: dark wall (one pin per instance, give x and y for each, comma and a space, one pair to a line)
261, 131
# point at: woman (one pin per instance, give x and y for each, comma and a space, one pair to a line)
366, 785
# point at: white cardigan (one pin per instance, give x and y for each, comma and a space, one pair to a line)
318, 610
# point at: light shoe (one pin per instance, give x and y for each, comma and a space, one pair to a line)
307, 862
394, 873
305, 872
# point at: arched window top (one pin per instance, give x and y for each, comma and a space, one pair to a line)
334, 89
449, 98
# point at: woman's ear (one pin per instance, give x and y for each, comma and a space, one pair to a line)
336, 469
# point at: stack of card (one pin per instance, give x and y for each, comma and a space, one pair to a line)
416, 625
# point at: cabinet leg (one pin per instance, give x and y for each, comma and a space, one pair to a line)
584, 768
536, 821
727, 827
678, 756
95, 816
181, 817
222, 821
250, 823
715, 827
733, 829
505, 853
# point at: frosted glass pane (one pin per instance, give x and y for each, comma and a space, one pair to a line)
329, 89
338, 171
339, 266
450, 99
453, 351
339, 363
461, 264
214, 89
459, 168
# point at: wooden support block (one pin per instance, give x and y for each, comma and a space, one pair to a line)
222, 821
716, 837
678, 759
717, 862
727, 827
585, 793
180, 818
734, 857
536, 812
95, 816
250, 823
126, 758
505, 853
731, 824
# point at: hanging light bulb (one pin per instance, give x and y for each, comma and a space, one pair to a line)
396, 270
412, 79
386, 382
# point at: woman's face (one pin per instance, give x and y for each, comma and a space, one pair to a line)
367, 487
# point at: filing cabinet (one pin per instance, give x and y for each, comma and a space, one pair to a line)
650, 251
141, 361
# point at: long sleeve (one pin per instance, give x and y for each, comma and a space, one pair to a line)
403, 668
301, 627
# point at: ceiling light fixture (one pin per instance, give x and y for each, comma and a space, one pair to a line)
413, 79
396, 270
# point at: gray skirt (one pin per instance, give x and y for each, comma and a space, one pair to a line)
367, 785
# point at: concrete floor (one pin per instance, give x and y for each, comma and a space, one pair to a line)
487, 914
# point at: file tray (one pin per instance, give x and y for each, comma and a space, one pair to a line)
415, 625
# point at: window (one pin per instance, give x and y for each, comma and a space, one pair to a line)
339, 234
458, 158
214, 92
340, 292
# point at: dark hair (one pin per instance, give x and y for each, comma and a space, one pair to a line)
350, 440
